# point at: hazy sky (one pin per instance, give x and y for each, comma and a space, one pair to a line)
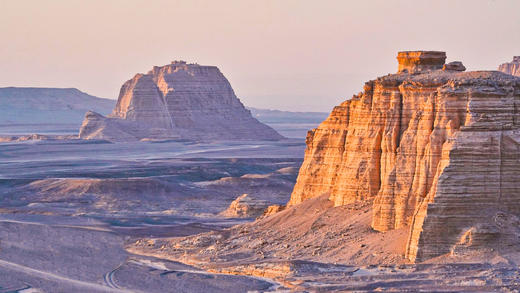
292, 55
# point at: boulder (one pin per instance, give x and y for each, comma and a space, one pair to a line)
455, 66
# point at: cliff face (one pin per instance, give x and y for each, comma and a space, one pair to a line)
512, 67
434, 150
178, 100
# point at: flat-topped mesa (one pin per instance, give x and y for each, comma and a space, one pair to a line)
435, 152
512, 68
420, 61
178, 100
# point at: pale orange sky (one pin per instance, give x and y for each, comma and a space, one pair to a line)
285, 54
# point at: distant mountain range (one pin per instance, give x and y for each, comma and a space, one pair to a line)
20, 105
289, 124
277, 116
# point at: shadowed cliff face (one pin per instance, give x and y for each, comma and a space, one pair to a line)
436, 151
178, 100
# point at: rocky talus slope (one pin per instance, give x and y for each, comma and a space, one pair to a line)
512, 67
432, 148
315, 247
178, 100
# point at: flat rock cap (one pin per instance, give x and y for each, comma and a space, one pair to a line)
419, 61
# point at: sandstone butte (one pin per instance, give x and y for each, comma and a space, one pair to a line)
431, 148
179, 100
512, 68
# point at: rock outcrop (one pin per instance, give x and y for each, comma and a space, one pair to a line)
420, 61
245, 206
455, 66
179, 100
436, 151
512, 67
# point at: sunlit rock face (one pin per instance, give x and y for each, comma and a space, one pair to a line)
420, 61
178, 100
512, 67
434, 150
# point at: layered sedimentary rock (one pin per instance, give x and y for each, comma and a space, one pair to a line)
178, 100
512, 67
420, 61
436, 150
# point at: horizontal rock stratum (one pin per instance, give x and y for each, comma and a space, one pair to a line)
178, 100
433, 148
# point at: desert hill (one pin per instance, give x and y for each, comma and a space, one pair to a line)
26, 105
178, 100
